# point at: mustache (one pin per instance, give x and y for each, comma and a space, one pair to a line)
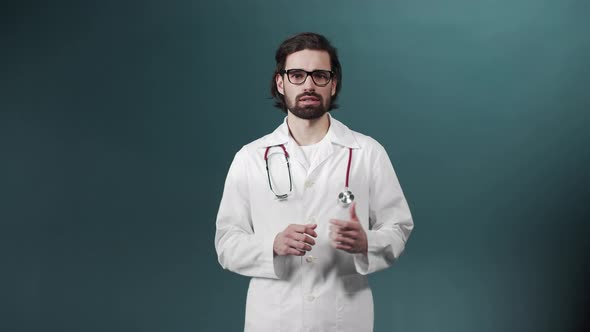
310, 94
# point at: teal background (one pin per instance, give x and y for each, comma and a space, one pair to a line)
118, 122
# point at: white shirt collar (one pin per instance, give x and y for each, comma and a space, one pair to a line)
338, 133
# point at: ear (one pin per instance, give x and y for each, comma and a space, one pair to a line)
279, 82
334, 84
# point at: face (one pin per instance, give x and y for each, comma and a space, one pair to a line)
307, 101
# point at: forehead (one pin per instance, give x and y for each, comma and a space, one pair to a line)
308, 60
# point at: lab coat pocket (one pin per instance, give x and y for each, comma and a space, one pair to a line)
264, 289
262, 305
355, 304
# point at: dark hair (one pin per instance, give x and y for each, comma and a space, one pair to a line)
299, 42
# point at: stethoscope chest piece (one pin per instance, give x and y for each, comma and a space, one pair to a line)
345, 198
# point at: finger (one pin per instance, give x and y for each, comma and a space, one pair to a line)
309, 240
345, 225
343, 240
310, 229
337, 245
353, 216
296, 228
301, 229
294, 252
295, 236
298, 245
349, 235
353, 234
338, 222
333, 244
285, 249
302, 238
344, 247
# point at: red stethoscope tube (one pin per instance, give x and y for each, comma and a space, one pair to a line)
344, 198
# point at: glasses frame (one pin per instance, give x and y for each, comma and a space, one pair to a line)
307, 74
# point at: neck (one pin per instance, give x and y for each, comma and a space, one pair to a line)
307, 132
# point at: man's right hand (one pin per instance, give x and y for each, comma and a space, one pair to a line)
295, 240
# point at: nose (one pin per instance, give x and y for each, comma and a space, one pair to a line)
309, 84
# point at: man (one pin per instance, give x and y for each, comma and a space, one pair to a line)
285, 218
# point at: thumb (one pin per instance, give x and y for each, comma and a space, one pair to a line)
353, 215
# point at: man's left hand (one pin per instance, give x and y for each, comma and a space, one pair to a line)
349, 235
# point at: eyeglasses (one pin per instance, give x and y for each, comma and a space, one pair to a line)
298, 76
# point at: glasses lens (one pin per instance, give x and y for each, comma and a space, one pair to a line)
321, 77
297, 76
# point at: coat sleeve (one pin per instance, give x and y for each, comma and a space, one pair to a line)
239, 248
390, 220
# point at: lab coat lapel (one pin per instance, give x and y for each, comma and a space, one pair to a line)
280, 136
337, 135
324, 151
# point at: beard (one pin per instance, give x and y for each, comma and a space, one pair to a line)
308, 112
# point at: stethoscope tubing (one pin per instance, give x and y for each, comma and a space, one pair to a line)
345, 198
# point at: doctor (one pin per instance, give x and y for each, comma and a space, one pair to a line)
312, 208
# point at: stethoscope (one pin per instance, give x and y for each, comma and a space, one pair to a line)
345, 198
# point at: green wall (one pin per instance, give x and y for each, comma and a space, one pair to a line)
118, 122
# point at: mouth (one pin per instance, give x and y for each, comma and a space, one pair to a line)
309, 100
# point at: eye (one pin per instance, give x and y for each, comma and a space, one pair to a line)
297, 74
322, 75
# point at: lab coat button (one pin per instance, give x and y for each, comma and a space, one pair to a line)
309, 259
308, 184
310, 297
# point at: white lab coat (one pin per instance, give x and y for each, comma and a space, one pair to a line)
327, 289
